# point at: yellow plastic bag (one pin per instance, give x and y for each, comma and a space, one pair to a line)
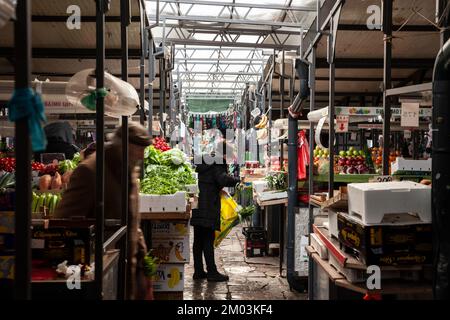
228, 217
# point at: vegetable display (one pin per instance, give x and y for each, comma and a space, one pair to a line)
47, 200
277, 181
165, 172
161, 144
69, 165
8, 164
7, 180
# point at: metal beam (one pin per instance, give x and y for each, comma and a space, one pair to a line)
409, 89
74, 53
406, 28
221, 60
362, 63
83, 19
222, 73
228, 44
241, 5
231, 21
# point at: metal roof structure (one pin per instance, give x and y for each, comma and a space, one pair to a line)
219, 45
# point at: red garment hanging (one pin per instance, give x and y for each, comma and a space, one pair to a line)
302, 155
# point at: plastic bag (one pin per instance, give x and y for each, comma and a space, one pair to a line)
229, 217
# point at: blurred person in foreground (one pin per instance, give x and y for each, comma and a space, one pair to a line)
212, 178
79, 198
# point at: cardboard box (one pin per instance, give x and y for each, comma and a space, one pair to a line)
370, 202
169, 229
319, 246
7, 267
333, 224
7, 219
175, 250
56, 244
169, 278
406, 243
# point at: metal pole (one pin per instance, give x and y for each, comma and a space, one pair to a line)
151, 75
22, 273
312, 103
162, 94
142, 73
100, 151
331, 113
387, 75
124, 273
282, 107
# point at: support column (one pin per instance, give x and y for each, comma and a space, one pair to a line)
100, 151
124, 274
387, 76
22, 38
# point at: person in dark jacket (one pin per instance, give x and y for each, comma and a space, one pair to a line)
60, 139
206, 219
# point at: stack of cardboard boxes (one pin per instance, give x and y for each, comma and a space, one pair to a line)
170, 244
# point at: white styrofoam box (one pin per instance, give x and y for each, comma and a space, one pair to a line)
149, 203
333, 224
192, 188
163, 203
370, 202
402, 164
195, 175
318, 245
259, 186
170, 229
169, 277
173, 250
272, 195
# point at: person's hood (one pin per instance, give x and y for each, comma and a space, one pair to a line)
202, 168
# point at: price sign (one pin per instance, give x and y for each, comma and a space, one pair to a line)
341, 123
255, 112
410, 115
382, 179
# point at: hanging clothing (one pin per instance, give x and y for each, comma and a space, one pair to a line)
302, 155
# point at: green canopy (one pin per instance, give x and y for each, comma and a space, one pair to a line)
203, 105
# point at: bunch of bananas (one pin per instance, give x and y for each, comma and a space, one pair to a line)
175, 277
47, 200
263, 122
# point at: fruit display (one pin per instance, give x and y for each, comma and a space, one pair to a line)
263, 122
48, 201
47, 182
352, 161
161, 144
377, 158
37, 166
7, 164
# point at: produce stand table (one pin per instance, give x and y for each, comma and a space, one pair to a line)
389, 287
264, 205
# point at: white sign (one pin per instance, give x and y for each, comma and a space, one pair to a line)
341, 124
407, 134
255, 112
382, 179
410, 115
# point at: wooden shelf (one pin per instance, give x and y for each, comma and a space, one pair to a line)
268, 203
388, 286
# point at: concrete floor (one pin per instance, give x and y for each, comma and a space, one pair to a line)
250, 278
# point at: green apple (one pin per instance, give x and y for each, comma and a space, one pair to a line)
361, 152
355, 153
348, 153
351, 149
342, 153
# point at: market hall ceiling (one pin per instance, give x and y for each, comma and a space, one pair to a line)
59, 52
